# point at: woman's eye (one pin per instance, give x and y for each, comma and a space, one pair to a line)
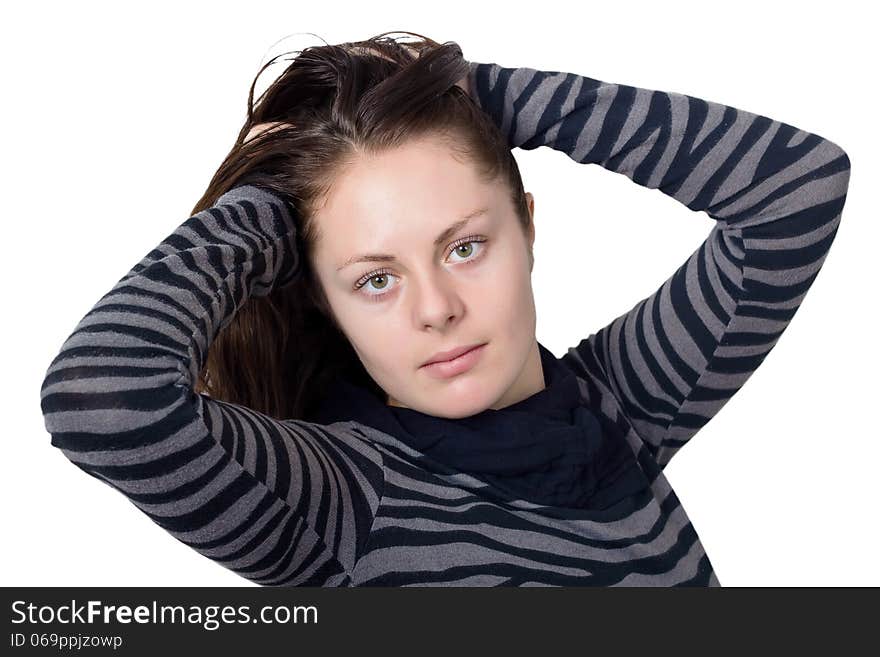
378, 280
465, 248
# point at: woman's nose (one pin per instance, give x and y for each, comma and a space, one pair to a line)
438, 302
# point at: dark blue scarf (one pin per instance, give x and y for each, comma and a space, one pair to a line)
549, 448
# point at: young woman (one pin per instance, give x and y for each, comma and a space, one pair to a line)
328, 375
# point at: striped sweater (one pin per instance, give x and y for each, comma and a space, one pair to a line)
294, 503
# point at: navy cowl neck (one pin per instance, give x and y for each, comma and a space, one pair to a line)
549, 448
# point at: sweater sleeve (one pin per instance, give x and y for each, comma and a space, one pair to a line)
775, 192
277, 502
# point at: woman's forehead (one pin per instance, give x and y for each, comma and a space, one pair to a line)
416, 188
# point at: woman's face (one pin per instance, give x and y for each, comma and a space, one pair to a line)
441, 283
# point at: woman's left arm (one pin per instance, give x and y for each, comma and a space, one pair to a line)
776, 193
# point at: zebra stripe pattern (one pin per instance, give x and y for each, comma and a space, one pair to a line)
775, 192
294, 503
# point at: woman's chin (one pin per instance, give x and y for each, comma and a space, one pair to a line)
456, 406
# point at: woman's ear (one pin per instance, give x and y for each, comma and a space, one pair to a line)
530, 229
530, 199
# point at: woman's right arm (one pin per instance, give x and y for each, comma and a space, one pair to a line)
280, 503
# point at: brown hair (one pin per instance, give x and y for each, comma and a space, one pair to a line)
334, 102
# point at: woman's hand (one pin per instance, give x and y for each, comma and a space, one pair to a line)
260, 128
461, 84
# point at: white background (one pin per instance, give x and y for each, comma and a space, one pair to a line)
115, 117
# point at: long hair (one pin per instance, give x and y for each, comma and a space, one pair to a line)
333, 103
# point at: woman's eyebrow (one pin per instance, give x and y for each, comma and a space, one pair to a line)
448, 232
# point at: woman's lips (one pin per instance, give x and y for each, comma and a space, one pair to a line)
449, 368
